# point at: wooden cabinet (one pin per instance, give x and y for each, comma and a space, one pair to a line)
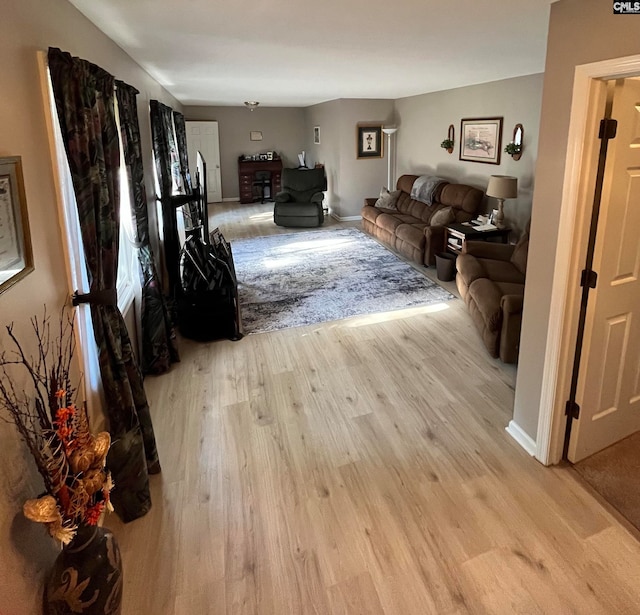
247, 170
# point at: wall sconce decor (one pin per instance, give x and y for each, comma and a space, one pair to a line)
450, 140
251, 104
514, 149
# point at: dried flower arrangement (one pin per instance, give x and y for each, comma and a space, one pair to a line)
56, 430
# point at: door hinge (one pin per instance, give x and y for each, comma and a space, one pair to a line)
573, 409
608, 128
588, 278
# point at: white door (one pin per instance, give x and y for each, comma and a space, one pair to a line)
609, 383
203, 137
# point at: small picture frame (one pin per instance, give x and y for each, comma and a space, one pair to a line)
16, 257
255, 135
369, 141
481, 140
316, 135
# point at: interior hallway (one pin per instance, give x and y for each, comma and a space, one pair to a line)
360, 466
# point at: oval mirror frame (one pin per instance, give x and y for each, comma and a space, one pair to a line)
518, 138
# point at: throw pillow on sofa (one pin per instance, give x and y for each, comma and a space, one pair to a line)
387, 199
443, 217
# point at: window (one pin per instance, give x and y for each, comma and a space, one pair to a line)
127, 274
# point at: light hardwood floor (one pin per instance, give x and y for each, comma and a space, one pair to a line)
360, 467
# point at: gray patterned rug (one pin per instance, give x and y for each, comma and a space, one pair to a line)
317, 276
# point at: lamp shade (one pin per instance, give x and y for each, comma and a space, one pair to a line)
389, 131
503, 187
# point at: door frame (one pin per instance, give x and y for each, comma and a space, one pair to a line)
573, 233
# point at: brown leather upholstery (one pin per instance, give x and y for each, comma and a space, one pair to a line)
408, 230
491, 282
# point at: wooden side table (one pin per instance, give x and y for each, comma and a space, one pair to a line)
456, 234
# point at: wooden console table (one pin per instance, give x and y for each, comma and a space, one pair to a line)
247, 170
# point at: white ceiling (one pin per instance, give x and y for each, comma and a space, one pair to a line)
298, 53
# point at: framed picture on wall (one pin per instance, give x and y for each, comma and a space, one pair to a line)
369, 141
481, 140
316, 135
16, 258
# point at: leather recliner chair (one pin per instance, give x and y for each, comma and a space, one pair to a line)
299, 203
491, 280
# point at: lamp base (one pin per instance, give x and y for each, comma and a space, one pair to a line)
498, 219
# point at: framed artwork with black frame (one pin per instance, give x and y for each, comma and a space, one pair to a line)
369, 141
481, 140
16, 257
316, 135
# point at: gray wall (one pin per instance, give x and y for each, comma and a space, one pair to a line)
580, 32
283, 131
350, 180
423, 122
31, 26
327, 117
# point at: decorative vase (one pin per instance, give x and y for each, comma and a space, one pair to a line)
86, 576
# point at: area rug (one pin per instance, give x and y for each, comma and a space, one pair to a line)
615, 474
298, 279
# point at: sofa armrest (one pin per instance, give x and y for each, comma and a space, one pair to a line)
317, 197
370, 202
434, 243
469, 269
512, 304
487, 297
282, 197
488, 249
511, 325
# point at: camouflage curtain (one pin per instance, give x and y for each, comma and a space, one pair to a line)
159, 344
181, 142
84, 96
165, 152
191, 209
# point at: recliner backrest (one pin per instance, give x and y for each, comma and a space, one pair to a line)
464, 200
302, 184
520, 252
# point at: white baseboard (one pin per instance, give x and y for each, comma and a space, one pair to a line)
521, 437
229, 199
345, 218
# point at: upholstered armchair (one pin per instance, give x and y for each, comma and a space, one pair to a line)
491, 279
300, 201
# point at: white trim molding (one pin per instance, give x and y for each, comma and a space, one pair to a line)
572, 232
521, 437
231, 199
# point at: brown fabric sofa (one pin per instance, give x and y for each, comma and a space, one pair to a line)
408, 230
491, 280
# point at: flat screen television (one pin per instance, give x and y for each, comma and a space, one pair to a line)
201, 182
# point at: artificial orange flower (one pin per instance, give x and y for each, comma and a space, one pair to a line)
92, 515
64, 414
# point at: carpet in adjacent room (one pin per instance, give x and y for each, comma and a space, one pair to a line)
615, 474
298, 279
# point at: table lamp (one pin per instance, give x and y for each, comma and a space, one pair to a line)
502, 187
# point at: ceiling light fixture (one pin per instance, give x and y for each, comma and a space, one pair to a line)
251, 104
